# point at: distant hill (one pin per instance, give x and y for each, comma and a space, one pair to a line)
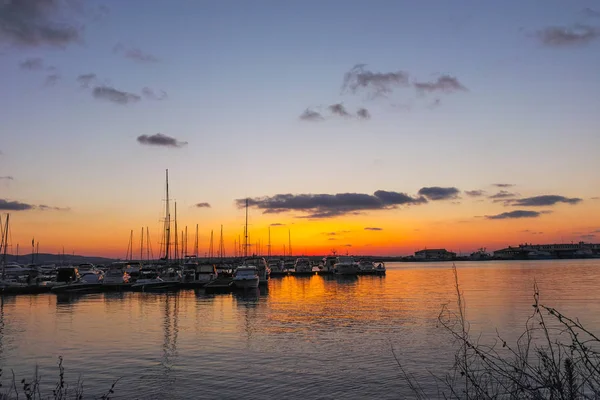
45, 258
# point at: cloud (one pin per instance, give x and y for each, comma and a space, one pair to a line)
595, 198
515, 214
85, 80
439, 193
32, 64
332, 238
545, 200
52, 79
588, 12
43, 207
6, 205
330, 205
562, 36
7, 178
36, 23
310, 115
375, 83
503, 185
373, 229
444, 83
154, 95
277, 224
363, 113
475, 193
503, 194
159, 139
114, 95
202, 205
347, 245
338, 109
135, 54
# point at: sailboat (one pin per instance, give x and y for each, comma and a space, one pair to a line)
254, 270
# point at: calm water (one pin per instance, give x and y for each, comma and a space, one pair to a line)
305, 337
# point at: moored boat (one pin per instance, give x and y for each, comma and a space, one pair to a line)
246, 276
346, 266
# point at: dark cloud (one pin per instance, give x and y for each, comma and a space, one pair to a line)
439, 193
375, 83
373, 229
135, 54
154, 95
330, 205
86, 80
6, 205
363, 113
562, 36
35, 23
339, 109
7, 178
32, 64
114, 95
515, 214
52, 79
159, 139
444, 83
545, 200
202, 205
503, 185
588, 12
310, 115
475, 193
277, 224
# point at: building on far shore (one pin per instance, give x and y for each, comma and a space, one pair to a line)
541, 251
434, 254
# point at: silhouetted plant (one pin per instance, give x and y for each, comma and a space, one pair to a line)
31, 389
554, 359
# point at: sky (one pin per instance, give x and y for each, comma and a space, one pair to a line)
367, 127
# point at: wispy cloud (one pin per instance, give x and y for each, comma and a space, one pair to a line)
7, 178
7, 205
154, 95
439, 193
545, 200
503, 185
374, 83
444, 83
36, 23
331, 205
277, 224
43, 207
363, 113
556, 36
159, 139
373, 229
32, 64
52, 79
475, 193
515, 215
503, 194
135, 54
339, 109
202, 205
85, 80
113, 95
311, 115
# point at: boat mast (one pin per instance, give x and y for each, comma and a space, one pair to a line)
186, 242
32, 249
210, 246
142, 246
4, 245
246, 232
131, 246
196, 243
221, 246
181, 251
167, 222
176, 244
147, 244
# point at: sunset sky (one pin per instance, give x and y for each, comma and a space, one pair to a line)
373, 127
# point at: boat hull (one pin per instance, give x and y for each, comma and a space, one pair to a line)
246, 283
79, 288
155, 287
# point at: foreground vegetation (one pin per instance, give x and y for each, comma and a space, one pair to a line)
555, 357
31, 389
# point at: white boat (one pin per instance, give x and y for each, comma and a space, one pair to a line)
246, 276
366, 267
151, 281
289, 266
199, 275
116, 273
263, 270
346, 266
302, 266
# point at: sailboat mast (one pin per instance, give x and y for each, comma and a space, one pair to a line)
176, 244
196, 242
147, 244
142, 245
167, 223
181, 251
221, 246
4, 246
210, 246
186, 241
131, 246
246, 232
